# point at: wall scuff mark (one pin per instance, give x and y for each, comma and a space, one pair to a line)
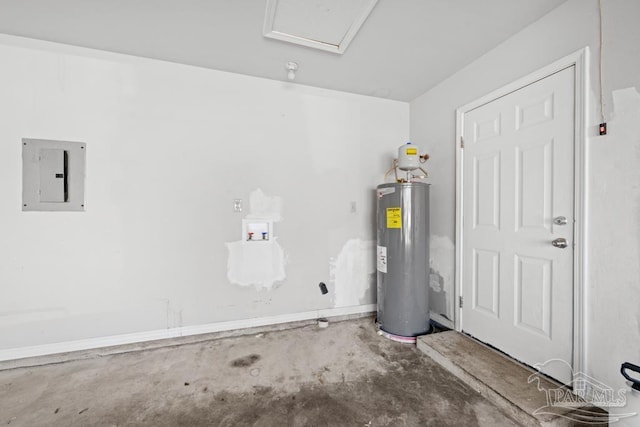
16, 317
353, 272
174, 317
260, 263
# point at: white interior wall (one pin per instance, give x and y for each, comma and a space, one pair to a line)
169, 148
613, 223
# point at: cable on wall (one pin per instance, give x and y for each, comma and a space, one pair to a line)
603, 123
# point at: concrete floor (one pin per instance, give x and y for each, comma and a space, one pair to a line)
345, 375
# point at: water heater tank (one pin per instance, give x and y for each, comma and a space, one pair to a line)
403, 258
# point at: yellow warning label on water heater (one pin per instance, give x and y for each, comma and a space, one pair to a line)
411, 152
394, 217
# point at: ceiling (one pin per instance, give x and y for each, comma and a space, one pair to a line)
404, 48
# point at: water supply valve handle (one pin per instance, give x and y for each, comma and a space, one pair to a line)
635, 383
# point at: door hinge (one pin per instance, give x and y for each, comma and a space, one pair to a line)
461, 142
460, 301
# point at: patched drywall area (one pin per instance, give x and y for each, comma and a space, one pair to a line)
259, 263
614, 270
255, 264
262, 206
352, 273
441, 275
627, 102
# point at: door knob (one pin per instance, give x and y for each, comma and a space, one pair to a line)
560, 220
560, 242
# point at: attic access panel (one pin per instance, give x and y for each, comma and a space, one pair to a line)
322, 24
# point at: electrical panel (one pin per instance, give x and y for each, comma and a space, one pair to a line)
53, 175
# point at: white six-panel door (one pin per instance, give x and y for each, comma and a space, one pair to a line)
517, 204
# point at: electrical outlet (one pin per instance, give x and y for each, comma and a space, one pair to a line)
237, 205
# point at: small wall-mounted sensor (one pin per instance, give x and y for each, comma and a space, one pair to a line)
603, 129
53, 174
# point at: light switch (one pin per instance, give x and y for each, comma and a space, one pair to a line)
53, 174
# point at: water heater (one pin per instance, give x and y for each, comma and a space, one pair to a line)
403, 259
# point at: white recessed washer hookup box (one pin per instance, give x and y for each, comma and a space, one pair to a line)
257, 230
53, 174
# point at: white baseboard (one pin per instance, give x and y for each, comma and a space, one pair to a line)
138, 337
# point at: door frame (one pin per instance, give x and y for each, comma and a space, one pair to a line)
579, 60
